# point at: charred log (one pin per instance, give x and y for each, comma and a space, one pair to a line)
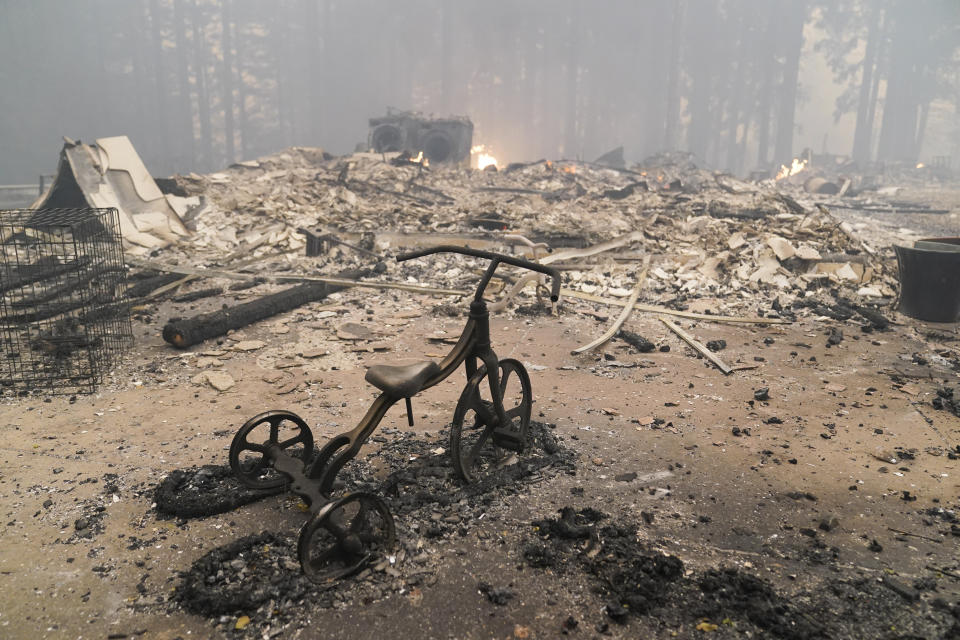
191, 331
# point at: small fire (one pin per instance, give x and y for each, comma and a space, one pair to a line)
795, 167
483, 158
920, 165
568, 169
420, 160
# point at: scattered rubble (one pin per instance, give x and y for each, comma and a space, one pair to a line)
637, 580
260, 573
691, 221
750, 255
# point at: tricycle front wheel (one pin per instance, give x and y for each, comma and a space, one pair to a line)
478, 443
249, 451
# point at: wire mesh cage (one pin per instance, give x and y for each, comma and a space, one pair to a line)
63, 312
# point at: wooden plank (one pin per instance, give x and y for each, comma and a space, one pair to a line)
671, 312
593, 250
612, 331
286, 277
696, 344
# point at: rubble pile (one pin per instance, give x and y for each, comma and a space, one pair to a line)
711, 235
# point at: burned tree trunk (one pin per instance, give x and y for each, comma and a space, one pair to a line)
571, 89
700, 65
203, 100
283, 61
446, 55
183, 79
226, 79
864, 127
314, 56
898, 127
185, 333
793, 44
156, 42
736, 102
766, 51
672, 123
241, 17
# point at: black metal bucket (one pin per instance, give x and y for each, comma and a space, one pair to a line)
930, 279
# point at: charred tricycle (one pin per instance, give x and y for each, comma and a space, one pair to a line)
276, 449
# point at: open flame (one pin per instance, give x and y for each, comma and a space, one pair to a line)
483, 158
795, 167
920, 165
564, 168
420, 159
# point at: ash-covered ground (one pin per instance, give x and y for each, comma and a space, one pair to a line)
812, 492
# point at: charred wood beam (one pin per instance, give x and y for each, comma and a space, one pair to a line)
892, 208
317, 240
284, 277
246, 284
624, 192
845, 257
153, 283
600, 166
550, 196
167, 288
362, 185
191, 331
536, 192
434, 192
199, 294
516, 166
391, 192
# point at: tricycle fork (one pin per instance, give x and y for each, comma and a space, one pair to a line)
492, 363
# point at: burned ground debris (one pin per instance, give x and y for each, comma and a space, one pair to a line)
674, 480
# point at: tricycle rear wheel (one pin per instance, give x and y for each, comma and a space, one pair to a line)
344, 536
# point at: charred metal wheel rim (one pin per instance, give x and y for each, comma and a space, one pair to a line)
472, 448
259, 475
344, 537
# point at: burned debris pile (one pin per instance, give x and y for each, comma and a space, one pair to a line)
742, 247
185, 333
259, 575
637, 580
204, 491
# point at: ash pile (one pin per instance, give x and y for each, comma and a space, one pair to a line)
765, 247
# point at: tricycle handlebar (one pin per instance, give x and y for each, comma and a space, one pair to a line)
490, 255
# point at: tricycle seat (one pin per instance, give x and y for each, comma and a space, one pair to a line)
401, 381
